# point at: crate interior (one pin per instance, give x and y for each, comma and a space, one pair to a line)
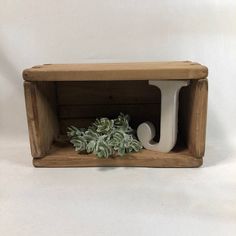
78, 103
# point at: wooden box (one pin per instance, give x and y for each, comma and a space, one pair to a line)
58, 95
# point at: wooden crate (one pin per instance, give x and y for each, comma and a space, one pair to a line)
61, 95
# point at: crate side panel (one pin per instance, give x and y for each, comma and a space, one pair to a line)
193, 116
42, 119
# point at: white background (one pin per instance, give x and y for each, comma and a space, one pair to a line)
120, 201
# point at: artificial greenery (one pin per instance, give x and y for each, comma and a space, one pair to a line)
105, 137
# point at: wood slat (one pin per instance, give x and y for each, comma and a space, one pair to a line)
43, 126
109, 110
67, 157
85, 122
193, 112
116, 71
103, 92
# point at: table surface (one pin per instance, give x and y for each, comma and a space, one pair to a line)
116, 201
173, 70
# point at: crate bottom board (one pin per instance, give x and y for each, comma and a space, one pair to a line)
67, 157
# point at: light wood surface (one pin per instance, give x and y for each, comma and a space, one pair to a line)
41, 115
180, 70
67, 157
193, 112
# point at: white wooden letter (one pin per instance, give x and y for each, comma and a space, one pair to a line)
169, 117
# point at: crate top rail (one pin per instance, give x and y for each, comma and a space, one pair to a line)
175, 70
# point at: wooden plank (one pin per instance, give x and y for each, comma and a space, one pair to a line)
193, 114
78, 122
110, 110
104, 92
41, 115
67, 157
83, 116
85, 122
116, 71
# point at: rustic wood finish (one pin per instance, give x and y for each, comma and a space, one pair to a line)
85, 122
194, 116
79, 103
41, 116
117, 71
106, 92
67, 157
58, 96
145, 111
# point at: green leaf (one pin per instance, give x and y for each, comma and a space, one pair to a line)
103, 125
103, 150
73, 131
79, 143
136, 145
122, 123
105, 137
121, 151
91, 135
91, 146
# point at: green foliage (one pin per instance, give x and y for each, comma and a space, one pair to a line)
105, 137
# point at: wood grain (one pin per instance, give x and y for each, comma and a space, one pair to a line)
67, 157
43, 126
79, 103
83, 116
144, 111
106, 92
85, 122
193, 112
181, 70
63, 95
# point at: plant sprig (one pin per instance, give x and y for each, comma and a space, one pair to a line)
105, 137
